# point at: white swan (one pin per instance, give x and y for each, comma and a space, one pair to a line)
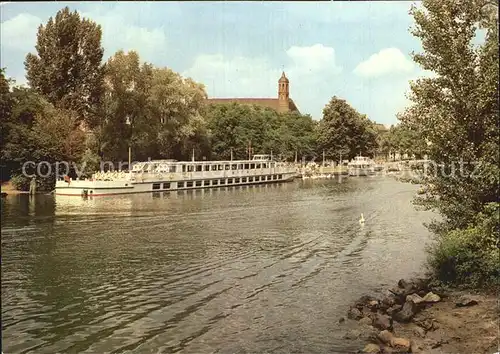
362, 220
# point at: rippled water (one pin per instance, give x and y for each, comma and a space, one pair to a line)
236, 270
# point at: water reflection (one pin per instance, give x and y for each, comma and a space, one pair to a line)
248, 269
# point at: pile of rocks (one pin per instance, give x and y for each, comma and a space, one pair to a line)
399, 304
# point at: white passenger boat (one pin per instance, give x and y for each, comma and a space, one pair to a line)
171, 175
361, 166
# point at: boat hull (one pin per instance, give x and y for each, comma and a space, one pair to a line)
361, 172
108, 188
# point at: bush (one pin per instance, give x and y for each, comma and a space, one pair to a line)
469, 257
20, 182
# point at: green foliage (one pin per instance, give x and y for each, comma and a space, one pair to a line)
67, 69
469, 257
20, 182
235, 127
345, 131
403, 139
457, 113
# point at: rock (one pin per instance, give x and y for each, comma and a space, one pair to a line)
382, 322
341, 319
371, 348
415, 298
373, 305
407, 312
391, 310
352, 334
402, 345
403, 284
363, 301
365, 321
387, 302
431, 297
465, 301
419, 331
385, 337
354, 314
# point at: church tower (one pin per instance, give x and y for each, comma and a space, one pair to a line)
283, 93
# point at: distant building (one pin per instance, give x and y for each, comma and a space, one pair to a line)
282, 104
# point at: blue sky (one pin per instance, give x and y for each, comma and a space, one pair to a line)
359, 51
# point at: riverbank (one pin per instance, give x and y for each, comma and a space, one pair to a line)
415, 317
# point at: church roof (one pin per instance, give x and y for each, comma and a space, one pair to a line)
264, 102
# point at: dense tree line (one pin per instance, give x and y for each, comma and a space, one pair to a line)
456, 112
78, 108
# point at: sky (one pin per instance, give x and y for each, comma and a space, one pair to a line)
358, 51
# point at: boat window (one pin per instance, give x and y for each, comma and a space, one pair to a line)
180, 184
156, 186
226, 167
206, 182
268, 178
199, 168
236, 180
229, 181
247, 166
215, 182
220, 167
240, 166
183, 168
207, 168
172, 169
259, 165
199, 183
190, 168
280, 176
222, 181
189, 184
243, 180
275, 176
234, 166
166, 185
252, 166
213, 167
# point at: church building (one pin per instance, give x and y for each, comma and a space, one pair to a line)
282, 104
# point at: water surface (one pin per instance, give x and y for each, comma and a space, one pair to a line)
231, 270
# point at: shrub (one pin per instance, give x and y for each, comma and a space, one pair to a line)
469, 257
20, 182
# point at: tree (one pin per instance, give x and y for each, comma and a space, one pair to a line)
67, 68
127, 85
457, 113
457, 110
176, 103
344, 131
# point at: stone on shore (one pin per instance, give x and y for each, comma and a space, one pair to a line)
385, 337
415, 298
366, 321
354, 314
382, 322
402, 345
371, 348
392, 310
465, 301
409, 310
431, 297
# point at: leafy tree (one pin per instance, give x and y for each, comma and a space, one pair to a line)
127, 84
176, 104
67, 67
457, 112
344, 131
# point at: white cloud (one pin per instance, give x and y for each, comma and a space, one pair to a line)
257, 77
19, 33
119, 34
387, 61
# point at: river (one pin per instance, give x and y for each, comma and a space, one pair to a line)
232, 270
